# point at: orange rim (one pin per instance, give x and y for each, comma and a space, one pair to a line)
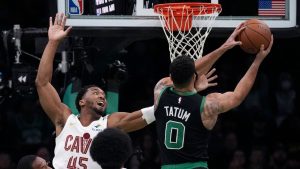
195, 7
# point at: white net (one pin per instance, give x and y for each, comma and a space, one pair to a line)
186, 28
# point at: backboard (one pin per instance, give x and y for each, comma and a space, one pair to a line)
127, 13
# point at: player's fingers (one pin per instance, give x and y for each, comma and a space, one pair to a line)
50, 21
56, 19
238, 27
212, 84
68, 29
238, 43
262, 47
212, 71
212, 78
238, 30
63, 23
271, 43
241, 29
61, 19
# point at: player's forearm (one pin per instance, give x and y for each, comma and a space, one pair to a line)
137, 120
45, 69
204, 64
131, 122
244, 86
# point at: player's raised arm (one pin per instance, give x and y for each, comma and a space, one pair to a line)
204, 64
48, 96
219, 103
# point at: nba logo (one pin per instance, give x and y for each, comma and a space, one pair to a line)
75, 7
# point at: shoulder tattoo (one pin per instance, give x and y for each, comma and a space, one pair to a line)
214, 108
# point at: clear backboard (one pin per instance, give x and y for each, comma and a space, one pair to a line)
139, 13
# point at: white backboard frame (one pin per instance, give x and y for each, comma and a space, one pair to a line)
147, 18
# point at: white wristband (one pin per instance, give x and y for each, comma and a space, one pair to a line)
148, 114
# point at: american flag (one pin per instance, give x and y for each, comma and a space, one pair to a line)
271, 8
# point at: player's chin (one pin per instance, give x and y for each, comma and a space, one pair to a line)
100, 110
100, 113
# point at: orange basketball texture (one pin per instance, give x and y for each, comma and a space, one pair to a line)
254, 35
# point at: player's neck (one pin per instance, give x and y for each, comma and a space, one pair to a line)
185, 89
86, 118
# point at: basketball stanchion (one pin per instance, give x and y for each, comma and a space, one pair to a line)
186, 26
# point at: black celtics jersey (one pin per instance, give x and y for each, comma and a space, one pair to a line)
181, 134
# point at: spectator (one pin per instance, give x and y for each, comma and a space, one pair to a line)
257, 159
278, 159
238, 160
44, 153
285, 96
5, 161
32, 162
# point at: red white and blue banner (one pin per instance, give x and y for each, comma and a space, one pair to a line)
75, 7
271, 7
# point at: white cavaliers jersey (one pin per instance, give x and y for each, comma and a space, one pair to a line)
72, 149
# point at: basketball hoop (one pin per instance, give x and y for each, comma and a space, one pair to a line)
178, 19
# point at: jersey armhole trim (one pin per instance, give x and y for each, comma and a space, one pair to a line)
202, 104
63, 129
161, 92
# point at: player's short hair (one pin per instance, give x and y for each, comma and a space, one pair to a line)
26, 162
80, 94
182, 70
111, 148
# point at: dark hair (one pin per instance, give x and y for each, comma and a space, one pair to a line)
111, 148
80, 94
182, 70
26, 162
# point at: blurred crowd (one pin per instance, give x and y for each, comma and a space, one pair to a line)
262, 133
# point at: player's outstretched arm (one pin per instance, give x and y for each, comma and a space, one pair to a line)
48, 96
204, 64
219, 103
132, 121
139, 119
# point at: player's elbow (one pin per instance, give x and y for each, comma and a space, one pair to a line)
237, 99
39, 82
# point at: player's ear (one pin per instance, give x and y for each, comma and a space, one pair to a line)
81, 102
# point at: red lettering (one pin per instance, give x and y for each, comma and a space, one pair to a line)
82, 162
75, 145
85, 145
68, 138
72, 163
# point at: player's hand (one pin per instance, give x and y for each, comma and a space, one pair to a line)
57, 30
231, 41
205, 81
261, 55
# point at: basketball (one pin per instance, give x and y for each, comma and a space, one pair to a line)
255, 34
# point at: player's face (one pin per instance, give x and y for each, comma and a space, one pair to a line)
40, 163
95, 99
